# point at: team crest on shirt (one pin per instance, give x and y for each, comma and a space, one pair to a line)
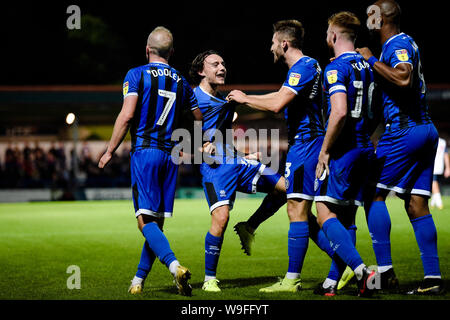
125, 88
294, 78
332, 76
402, 54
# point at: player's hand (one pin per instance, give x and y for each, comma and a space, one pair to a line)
237, 95
365, 52
447, 173
322, 165
253, 156
104, 159
209, 148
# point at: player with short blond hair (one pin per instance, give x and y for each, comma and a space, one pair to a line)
155, 97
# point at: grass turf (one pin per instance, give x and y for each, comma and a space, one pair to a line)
39, 241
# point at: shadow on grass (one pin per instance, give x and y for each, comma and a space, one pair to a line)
350, 291
229, 283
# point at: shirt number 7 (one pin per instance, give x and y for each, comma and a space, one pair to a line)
169, 104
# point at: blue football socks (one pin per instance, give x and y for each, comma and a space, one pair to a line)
426, 236
379, 224
158, 242
342, 243
337, 265
298, 239
213, 246
146, 261
318, 236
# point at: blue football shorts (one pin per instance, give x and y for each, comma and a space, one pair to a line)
405, 160
300, 170
153, 181
221, 181
348, 176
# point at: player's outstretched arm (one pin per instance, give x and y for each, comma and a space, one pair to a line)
274, 101
401, 75
120, 130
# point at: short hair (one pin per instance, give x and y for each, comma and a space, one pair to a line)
348, 22
391, 11
197, 65
292, 31
160, 42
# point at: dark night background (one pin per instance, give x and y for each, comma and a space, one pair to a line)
37, 47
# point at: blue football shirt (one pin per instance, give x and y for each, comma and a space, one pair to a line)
164, 95
351, 74
404, 107
217, 118
303, 113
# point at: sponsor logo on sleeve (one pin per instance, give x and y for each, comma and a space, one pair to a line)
332, 76
125, 88
294, 78
402, 54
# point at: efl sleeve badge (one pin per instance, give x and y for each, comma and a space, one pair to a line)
125, 88
402, 54
294, 79
332, 76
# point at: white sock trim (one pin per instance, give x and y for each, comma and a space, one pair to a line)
292, 275
328, 283
432, 277
359, 271
207, 278
137, 280
173, 267
382, 269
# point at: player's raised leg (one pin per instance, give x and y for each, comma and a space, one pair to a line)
272, 202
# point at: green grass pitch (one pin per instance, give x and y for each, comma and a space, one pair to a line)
39, 241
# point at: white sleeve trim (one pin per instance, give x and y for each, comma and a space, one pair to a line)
130, 94
293, 90
401, 63
337, 87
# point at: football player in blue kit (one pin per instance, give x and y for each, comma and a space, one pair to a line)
226, 171
299, 98
406, 150
347, 151
155, 98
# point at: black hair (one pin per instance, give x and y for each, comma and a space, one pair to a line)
197, 65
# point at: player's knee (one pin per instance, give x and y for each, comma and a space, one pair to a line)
298, 209
417, 206
143, 219
219, 221
324, 212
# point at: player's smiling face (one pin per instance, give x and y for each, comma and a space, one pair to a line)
214, 69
